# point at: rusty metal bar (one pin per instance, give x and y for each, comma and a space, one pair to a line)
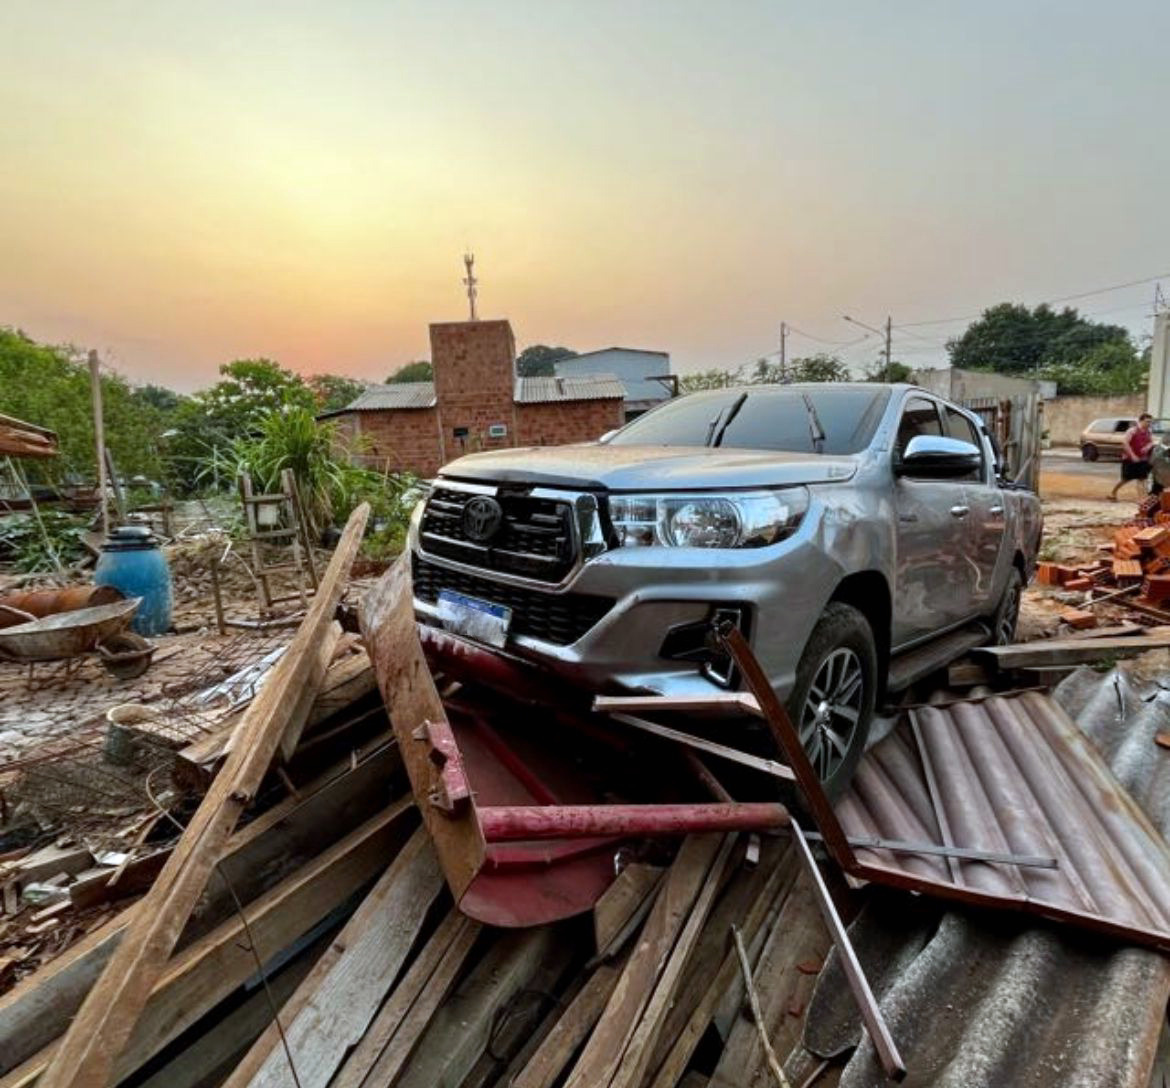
871, 1013
788, 742
513, 823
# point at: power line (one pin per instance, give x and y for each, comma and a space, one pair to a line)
1043, 302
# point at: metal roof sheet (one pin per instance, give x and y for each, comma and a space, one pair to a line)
1012, 775
976, 999
393, 396
20, 439
569, 388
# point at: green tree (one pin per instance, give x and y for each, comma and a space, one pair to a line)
1044, 343
709, 379
539, 360
50, 386
205, 425
332, 391
419, 371
890, 372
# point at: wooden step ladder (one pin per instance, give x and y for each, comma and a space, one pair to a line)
290, 528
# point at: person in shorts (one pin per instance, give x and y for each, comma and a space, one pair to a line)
1135, 455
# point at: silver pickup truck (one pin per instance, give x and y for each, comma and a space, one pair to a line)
859, 535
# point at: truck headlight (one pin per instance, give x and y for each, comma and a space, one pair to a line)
749, 519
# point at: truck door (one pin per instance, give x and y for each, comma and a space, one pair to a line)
933, 572
985, 521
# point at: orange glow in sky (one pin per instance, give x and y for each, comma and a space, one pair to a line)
186, 184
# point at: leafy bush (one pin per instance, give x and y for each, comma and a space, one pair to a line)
24, 547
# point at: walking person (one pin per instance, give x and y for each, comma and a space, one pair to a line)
1135, 455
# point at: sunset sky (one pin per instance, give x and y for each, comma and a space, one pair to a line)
183, 184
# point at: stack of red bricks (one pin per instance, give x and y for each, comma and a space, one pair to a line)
1138, 555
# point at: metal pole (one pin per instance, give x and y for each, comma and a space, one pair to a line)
889, 334
95, 381
783, 349
518, 823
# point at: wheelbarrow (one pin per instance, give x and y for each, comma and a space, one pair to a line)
69, 636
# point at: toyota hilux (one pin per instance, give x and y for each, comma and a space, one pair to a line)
859, 535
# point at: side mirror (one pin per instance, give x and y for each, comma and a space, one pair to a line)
936, 457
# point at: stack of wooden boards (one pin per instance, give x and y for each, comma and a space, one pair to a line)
309, 939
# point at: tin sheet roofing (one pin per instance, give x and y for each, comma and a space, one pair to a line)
20, 439
575, 387
976, 999
1012, 775
394, 395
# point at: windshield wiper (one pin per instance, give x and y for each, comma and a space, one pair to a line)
815, 431
732, 412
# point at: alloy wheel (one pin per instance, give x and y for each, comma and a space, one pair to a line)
832, 711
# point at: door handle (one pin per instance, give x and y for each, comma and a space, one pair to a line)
960, 511
996, 511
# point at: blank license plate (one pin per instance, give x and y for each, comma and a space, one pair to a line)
469, 616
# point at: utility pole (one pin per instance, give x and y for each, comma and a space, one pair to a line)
889, 334
95, 382
470, 281
783, 350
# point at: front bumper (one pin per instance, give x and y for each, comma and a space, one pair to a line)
779, 590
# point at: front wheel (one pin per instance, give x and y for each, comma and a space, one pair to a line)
1090, 452
833, 699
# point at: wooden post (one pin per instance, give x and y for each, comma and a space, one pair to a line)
99, 436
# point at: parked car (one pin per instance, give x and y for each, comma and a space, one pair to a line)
1101, 440
858, 534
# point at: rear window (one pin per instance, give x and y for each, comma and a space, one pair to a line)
764, 418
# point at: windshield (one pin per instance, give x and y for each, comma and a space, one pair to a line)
788, 419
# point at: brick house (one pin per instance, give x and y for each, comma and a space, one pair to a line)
475, 403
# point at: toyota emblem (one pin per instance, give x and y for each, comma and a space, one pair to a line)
482, 518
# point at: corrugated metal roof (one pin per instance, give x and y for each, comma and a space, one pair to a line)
392, 396
1012, 775
577, 387
20, 439
976, 999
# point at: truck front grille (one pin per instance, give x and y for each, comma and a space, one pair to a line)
535, 540
559, 618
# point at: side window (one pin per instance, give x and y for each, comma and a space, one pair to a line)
960, 427
919, 416
1123, 425
1098, 425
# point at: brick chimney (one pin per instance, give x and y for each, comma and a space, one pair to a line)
474, 364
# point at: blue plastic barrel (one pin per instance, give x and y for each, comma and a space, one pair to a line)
132, 562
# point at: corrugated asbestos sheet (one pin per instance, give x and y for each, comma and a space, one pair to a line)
581, 387
395, 395
977, 998
1012, 775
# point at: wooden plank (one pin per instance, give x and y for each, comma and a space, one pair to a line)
343, 991
740, 701
460, 1030
408, 690
726, 982
577, 1021
258, 855
640, 1049
676, 895
785, 975
622, 900
208, 1059
1065, 651
391, 1038
208, 970
321, 655
108, 1015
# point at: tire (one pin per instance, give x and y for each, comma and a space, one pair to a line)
1007, 612
1090, 452
840, 651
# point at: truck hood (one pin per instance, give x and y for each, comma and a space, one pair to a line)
594, 466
